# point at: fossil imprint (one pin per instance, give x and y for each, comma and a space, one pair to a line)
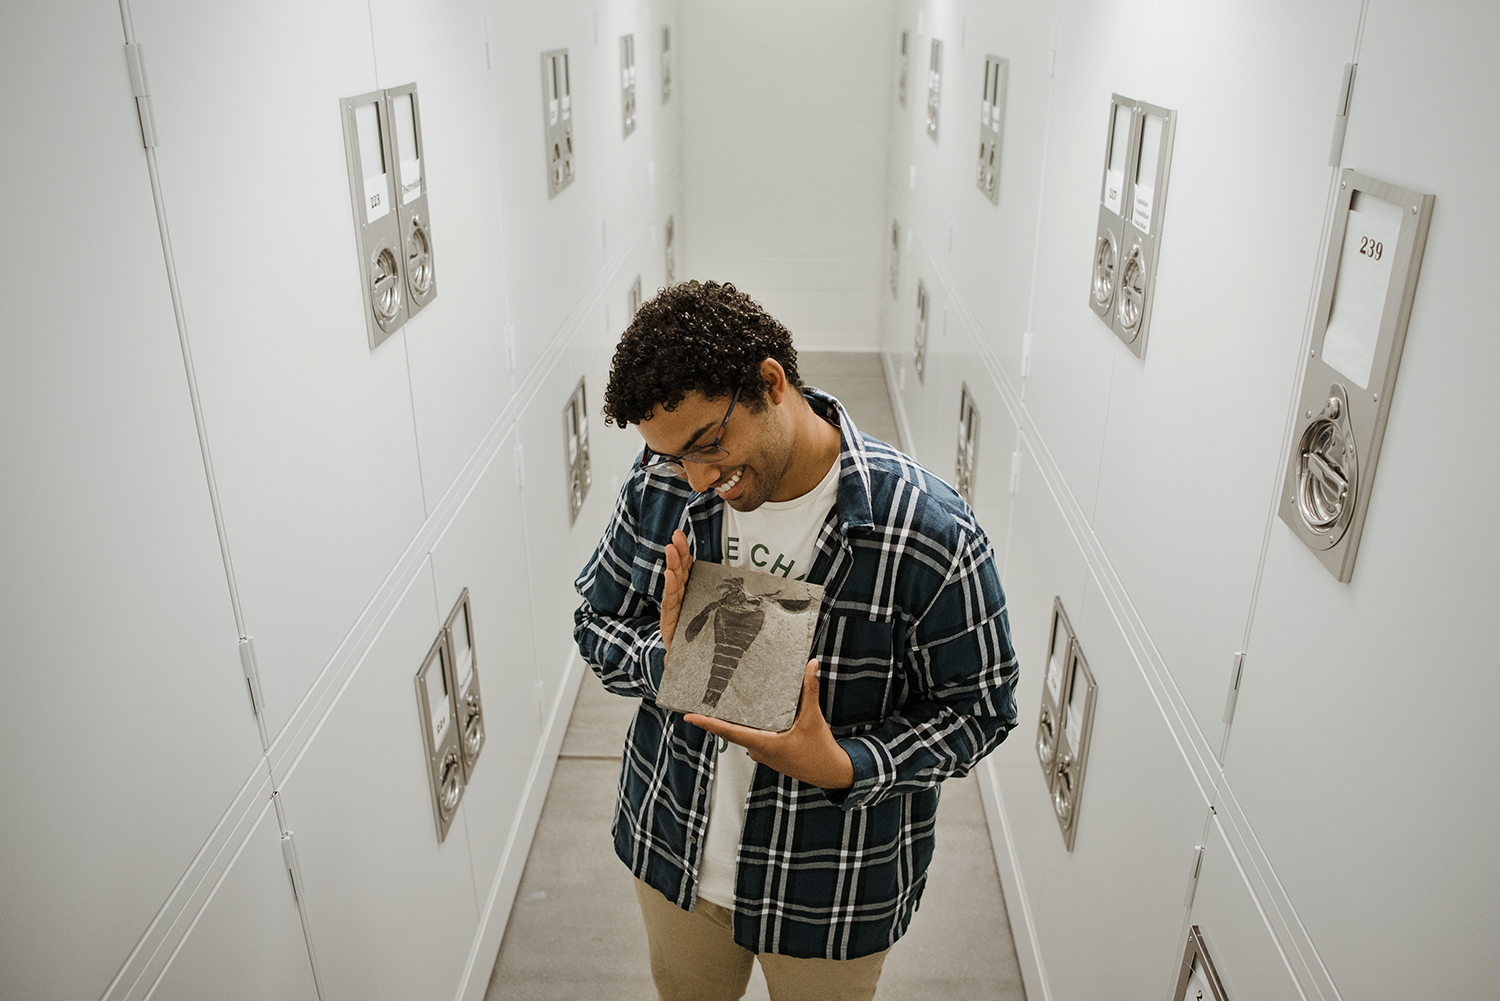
738, 617
743, 639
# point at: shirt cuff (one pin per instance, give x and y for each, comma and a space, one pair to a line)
874, 774
655, 656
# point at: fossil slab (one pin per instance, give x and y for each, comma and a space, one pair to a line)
741, 646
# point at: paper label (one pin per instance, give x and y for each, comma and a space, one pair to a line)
1114, 186
411, 180
1364, 276
1054, 679
1074, 727
377, 204
437, 703
984, 113
1140, 212
466, 671
995, 118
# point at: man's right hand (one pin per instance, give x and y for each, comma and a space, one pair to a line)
679, 565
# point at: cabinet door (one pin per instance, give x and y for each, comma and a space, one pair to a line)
392, 910
485, 551
1240, 946
456, 346
126, 729
313, 442
247, 945
1112, 908
1365, 729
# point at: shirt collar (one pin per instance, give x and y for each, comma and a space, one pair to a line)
854, 506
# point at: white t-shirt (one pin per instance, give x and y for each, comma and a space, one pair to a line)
777, 538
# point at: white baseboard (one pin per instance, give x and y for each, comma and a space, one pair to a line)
1013, 884
502, 895
898, 405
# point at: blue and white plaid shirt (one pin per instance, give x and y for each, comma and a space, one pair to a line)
917, 679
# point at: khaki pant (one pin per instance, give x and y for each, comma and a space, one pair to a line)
694, 958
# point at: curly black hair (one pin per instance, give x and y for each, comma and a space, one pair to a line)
697, 335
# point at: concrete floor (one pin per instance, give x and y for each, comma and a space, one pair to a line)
575, 931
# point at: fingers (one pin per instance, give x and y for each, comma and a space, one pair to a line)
679, 564
809, 695
747, 737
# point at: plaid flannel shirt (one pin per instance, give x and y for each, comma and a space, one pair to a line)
916, 677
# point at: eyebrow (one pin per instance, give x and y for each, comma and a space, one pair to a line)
698, 434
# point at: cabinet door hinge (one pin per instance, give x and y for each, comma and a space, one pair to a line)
1341, 116
141, 89
252, 674
1234, 687
1192, 887
293, 866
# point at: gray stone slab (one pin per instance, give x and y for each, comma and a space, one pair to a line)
741, 646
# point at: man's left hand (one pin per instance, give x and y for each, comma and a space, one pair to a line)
807, 752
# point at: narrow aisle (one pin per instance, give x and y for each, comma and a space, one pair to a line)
575, 931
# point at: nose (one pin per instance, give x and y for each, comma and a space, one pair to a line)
702, 475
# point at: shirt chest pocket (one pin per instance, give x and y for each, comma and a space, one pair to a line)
858, 658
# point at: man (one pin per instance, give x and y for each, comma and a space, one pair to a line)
808, 847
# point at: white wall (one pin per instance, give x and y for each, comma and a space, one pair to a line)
784, 152
1343, 853
195, 308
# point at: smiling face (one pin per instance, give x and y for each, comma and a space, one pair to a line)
759, 443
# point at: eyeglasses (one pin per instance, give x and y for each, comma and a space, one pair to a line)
672, 464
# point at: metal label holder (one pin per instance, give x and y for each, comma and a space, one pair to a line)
1132, 203
372, 191
1151, 164
904, 68
1375, 248
576, 450
557, 120
1114, 196
458, 632
895, 257
968, 444
666, 64
1197, 980
1073, 733
438, 716
934, 88
627, 84
671, 250
992, 126
404, 112
919, 345
1049, 719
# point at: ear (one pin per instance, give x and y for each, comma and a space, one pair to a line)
775, 377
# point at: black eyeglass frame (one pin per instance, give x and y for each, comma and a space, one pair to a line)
672, 464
